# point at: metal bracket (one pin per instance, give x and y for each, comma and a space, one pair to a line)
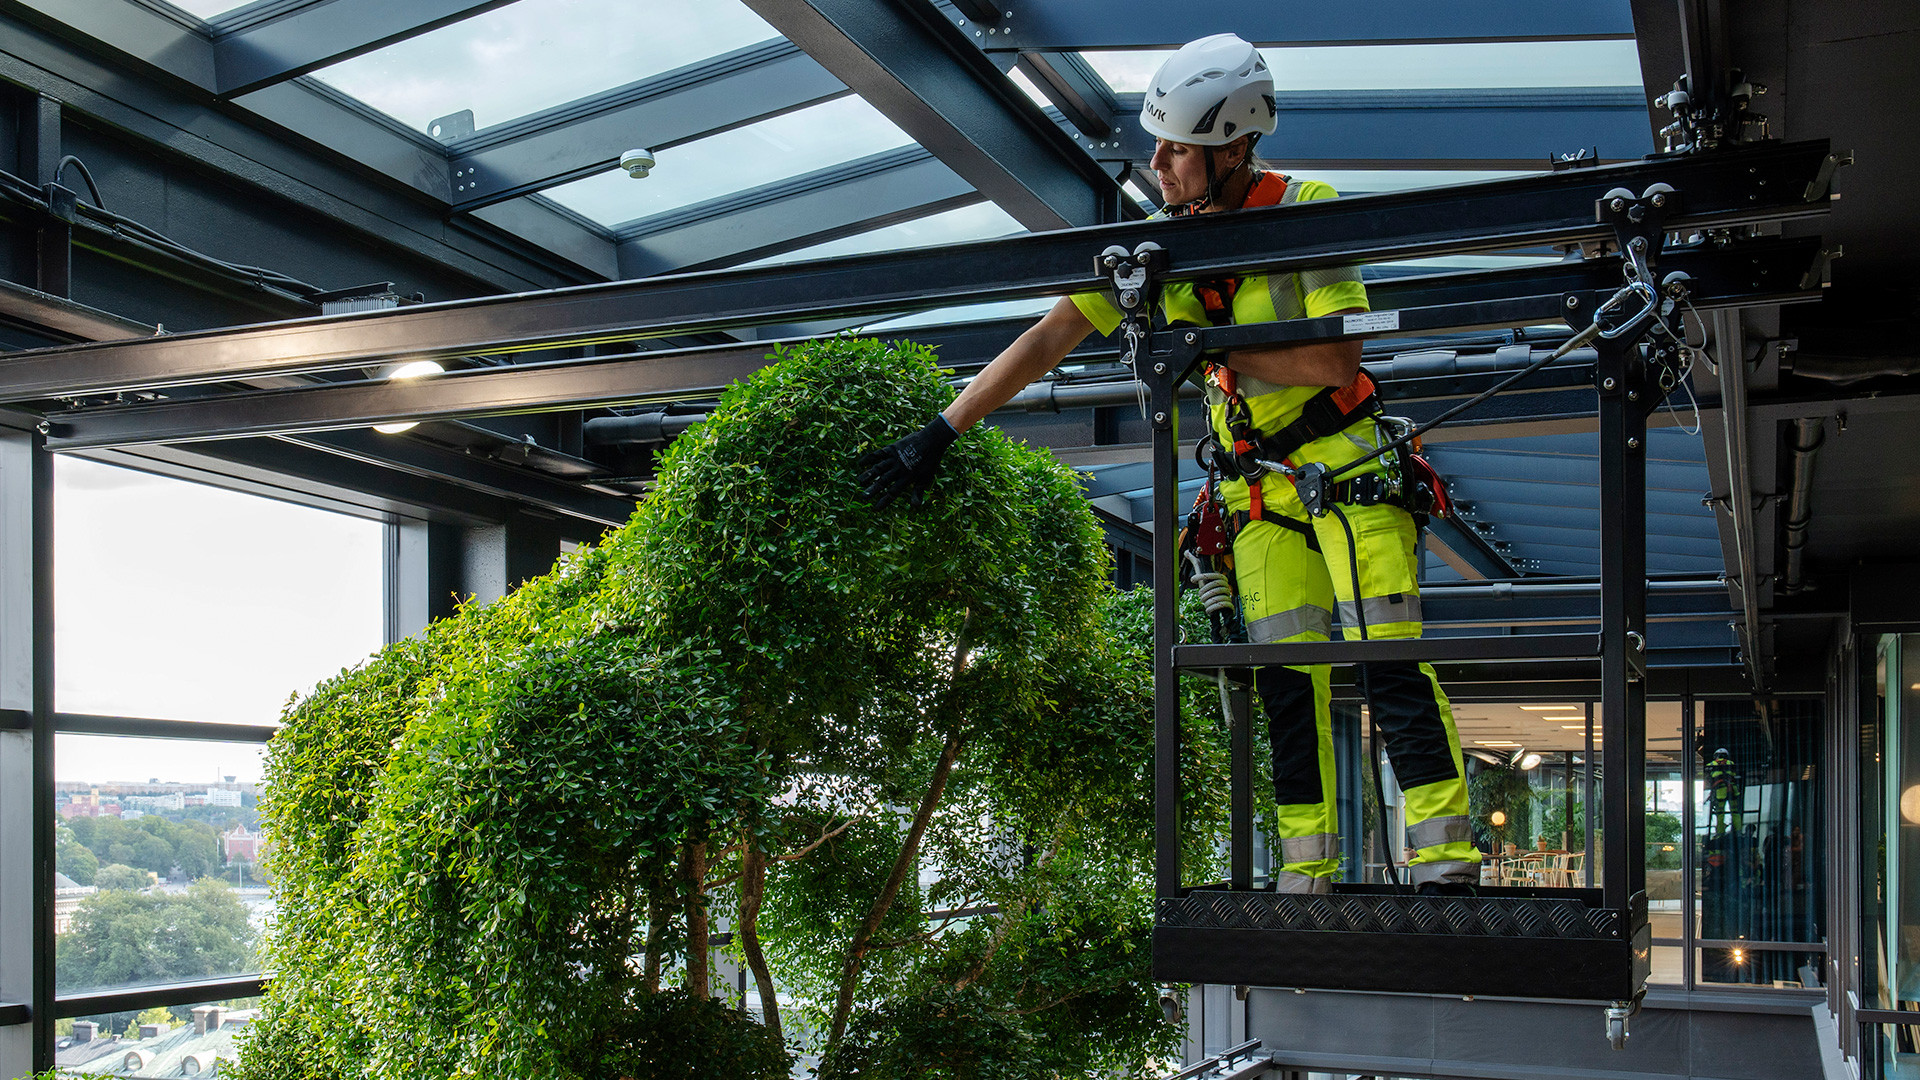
1134, 283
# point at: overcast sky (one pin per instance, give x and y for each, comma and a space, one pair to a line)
187, 602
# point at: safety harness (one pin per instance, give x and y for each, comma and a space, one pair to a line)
1328, 412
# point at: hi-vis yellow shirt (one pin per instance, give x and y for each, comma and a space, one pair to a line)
1308, 294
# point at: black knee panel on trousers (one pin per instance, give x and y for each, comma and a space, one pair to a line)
1401, 698
1293, 732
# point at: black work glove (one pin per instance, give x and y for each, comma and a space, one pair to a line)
910, 463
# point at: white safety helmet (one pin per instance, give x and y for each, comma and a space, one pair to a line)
1209, 93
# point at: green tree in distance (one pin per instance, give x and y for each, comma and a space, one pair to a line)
126, 938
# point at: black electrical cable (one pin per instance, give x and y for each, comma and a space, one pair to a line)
92, 188
1366, 691
127, 228
1576, 341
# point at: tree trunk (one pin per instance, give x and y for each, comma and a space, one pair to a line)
909, 851
658, 920
753, 886
1008, 918
699, 982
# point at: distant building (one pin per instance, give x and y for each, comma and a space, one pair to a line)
223, 797
240, 845
202, 1048
67, 895
170, 801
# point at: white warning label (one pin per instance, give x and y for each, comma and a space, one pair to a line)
1370, 322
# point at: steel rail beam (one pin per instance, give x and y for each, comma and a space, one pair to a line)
1528, 295
253, 54
906, 59
1081, 95
842, 200
1431, 129
587, 136
1141, 24
1742, 186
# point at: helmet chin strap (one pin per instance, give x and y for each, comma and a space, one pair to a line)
1215, 182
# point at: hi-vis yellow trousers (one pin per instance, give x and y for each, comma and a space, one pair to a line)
1288, 593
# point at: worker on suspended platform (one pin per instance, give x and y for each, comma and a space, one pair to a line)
1206, 108
1723, 791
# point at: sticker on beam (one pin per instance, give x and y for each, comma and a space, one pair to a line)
1370, 322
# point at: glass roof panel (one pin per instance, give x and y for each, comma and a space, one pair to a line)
845, 129
210, 9
981, 221
1413, 67
536, 54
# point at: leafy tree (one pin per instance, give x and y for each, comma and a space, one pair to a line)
75, 861
123, 938
1498, 787
121, 876
765, 698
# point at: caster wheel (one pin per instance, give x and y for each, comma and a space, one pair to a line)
1617, 1032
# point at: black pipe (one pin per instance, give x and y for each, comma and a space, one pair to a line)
1808, 434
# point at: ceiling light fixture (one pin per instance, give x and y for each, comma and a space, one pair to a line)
1525, 760
1548, 708
412, 370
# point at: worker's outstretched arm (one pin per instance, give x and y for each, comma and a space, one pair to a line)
910, 464
1316, 363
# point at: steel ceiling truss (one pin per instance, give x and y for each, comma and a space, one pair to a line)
1726, 190
908, 60
1064, 25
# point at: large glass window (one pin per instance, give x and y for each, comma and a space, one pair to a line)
1756, 832
1891, 782
158, 848
182, 601
536, 54
167, 1040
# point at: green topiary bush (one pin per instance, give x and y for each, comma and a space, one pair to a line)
499, 845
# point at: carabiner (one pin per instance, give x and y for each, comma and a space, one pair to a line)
1650, 303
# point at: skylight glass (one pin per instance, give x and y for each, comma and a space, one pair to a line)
845, 129
981, 221
209, 9
536, 54
1412, 67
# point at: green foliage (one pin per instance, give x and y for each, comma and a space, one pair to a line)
169, 848
1500, 788
120, 937
944, 1034
666, 1025
78, 863
118, 876
474, 830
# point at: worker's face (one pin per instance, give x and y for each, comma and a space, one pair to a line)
1182, 167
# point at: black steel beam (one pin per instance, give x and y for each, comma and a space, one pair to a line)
11, 1014
907, 60
147, 997
1466, 550
1472, 298
1429, 129
1080, 94
843, 200
1477, 650
151, 90
256, 53
1062, 25
588, 136
1762, 182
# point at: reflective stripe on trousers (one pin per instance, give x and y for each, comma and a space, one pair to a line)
1283, 583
